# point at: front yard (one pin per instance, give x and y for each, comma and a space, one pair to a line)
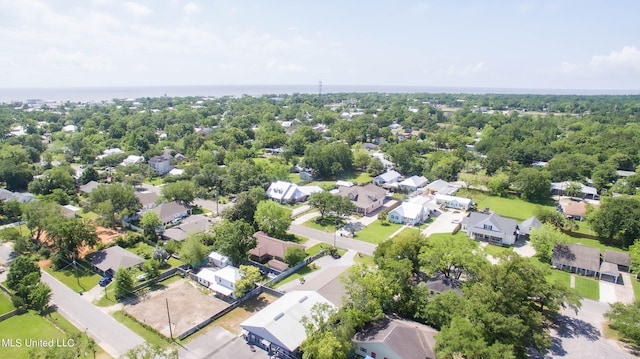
377, 232
5, 303
86, 279
588, 288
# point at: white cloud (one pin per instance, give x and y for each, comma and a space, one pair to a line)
526, 7
625, 62
276, 66
191, 8
137, 9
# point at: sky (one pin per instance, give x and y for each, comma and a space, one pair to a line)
542, 44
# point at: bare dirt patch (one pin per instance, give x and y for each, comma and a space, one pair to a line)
105, 236
188, 306
231, 321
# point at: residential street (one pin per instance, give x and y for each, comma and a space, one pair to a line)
340, 242
115, 338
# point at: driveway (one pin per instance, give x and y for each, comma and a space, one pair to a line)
211, 205
115, 338
580, 336
330, 268
443, 223
218, 343
611, 293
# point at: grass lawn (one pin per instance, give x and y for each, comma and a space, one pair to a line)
588, 288
200, 210
496, 251
146, 334
559, 276
142, 249
408, 230
173, 262
458, 236
591, 243
377, 232
364, 259
33, 326
636, 286
231, 321
298, 274
358, 177
315, 249
85, 281
511, 207
88, 215
294, 238
326, 224
5, 303
154, 181
294, 178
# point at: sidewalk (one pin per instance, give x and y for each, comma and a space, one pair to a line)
306, 217
325, 273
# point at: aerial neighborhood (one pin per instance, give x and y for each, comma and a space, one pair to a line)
347, 225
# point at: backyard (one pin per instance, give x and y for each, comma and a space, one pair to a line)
512, 207
231, 321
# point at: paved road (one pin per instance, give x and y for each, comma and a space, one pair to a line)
340, 242
219, 343
580, 336
115, 338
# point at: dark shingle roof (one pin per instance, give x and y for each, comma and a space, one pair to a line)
616, 257
577, 255
407, 339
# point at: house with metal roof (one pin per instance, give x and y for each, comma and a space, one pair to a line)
560, 188
490, 228
278, 327
287, 192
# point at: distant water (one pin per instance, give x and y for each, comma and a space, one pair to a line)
91, 94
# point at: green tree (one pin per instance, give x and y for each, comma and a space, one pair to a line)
294, 255
322, 201
375, 166
321, 341
245, 206
249, 276
550, 216
499, 184
89, 174
463, 339
342, 206
367, 291
234, 239
180, 191
149, 224
625, 318
20, 268
151, 351
617, 219
533, 184
272, 219
160, 254
406, 245
39, 296
453, 257
151, 268
193, 251
634, 253
69, 235
124, 283
544, 239
114, 202
41, 216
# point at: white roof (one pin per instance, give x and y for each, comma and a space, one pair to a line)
215, 256
414, 181
409, 210
344, 184
279, 322
207, 274
309, 190
285, 191
132, 159
562, 186
447, 198
389, 176
176, 172
229, 273
221, 289
69, 128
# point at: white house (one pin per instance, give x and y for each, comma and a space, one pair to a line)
69, 129
218, 260
413, 183
161, 164
490, 228
277, 328
206, 276
286, 192
560, 188
132, 160
454, 202
409, 213
225, 281
109, 152
387, 178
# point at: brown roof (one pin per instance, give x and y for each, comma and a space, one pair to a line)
577, 255
363, 196
407, 339
616, 257
269, 246
575, 209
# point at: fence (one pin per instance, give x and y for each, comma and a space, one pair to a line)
162, 276
293, 269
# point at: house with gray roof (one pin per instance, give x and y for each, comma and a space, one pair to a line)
387, 178
576, 258
621, 259
109, 260
171, 212
490, 228
560, 188
413, 183
191, 225
524, 229
277, 328
396, 338
441, 187
88, 187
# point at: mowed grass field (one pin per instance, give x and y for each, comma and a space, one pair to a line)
511, 207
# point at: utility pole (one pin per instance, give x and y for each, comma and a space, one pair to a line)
169, 318
320, 91
75, 265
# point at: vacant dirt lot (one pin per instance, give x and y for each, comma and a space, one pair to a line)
188, 306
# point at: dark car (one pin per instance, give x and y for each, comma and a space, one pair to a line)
105, 281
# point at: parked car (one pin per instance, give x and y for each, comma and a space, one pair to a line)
105, 281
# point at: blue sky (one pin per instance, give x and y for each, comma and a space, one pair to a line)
497, 44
